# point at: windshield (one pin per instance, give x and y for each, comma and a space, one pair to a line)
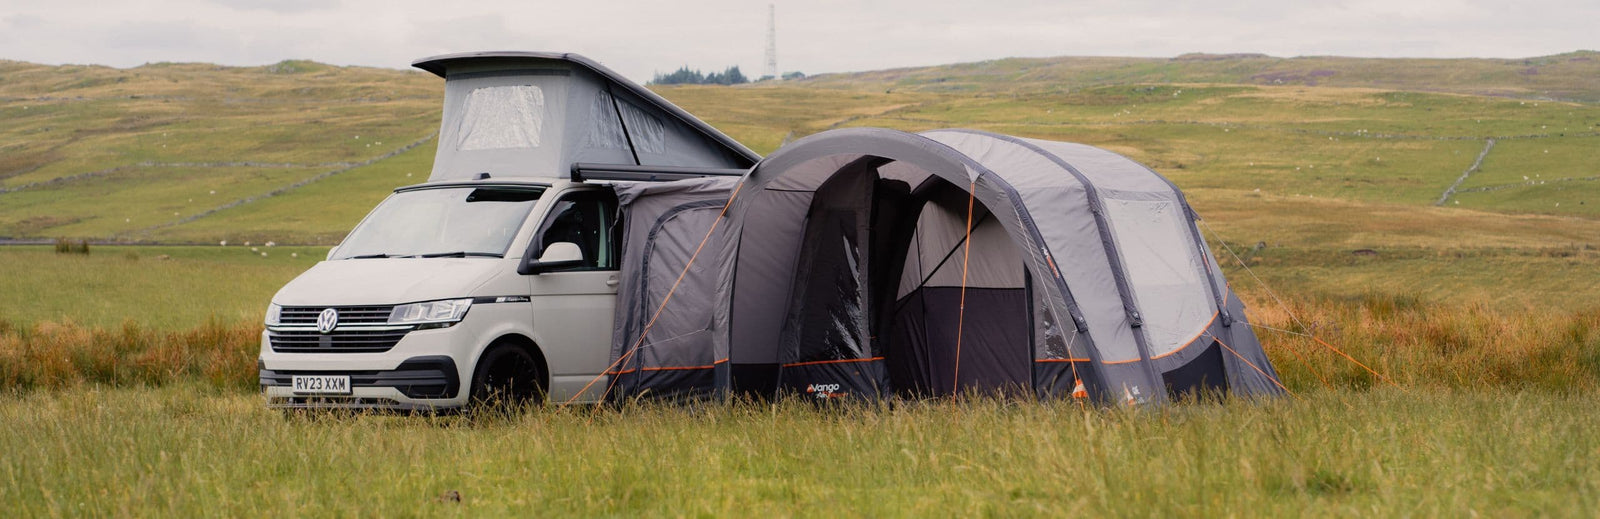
462, 221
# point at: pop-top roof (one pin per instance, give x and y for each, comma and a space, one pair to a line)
534, 114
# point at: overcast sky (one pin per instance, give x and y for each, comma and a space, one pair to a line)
640, 37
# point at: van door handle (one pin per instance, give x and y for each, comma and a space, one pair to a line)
611, 281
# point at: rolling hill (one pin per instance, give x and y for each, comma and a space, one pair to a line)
1353, 154
297, 151
1569, 76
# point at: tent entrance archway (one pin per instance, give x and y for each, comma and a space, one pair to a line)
878, 289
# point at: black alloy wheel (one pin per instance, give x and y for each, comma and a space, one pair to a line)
507, 377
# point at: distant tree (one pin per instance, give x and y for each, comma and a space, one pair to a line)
683, 76
688, 76
793, 75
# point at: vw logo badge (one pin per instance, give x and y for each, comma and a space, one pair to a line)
327, 320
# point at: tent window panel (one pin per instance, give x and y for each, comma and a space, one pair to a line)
606, 131
646, 131
935, 258
937, 235
649, 135
1051, 339
994, 262
1164, 270
502, 117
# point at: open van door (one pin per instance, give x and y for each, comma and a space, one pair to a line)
574, 299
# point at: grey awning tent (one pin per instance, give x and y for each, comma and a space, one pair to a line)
535, 114
666, 225
840, 269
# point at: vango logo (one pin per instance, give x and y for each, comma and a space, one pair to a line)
825, 391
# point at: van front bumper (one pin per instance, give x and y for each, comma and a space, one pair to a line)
428, 369
423, 371
417, 383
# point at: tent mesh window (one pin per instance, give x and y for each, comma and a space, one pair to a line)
1163, 269
644, 130
502, 117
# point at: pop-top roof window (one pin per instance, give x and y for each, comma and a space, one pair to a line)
502, 117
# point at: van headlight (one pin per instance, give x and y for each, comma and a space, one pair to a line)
444, 312
274, 314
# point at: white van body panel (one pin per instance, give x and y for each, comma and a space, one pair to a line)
574, 308
566, 315
389, 281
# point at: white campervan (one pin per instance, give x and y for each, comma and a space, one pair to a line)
500, 274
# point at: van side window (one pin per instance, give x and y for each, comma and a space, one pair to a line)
587, 219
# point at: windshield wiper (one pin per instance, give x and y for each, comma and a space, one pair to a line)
461, 254
371, 256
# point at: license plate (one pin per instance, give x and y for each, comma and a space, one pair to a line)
321, 384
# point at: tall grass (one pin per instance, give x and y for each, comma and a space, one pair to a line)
65, 246
1420, 345
1414, 344
52, 355
179, 452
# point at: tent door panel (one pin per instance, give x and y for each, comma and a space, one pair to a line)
676, 356
894, 225
827, 318
995, 353
1203, 374
907, 356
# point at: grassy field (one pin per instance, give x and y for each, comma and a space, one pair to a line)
186, 450
161, 287
129, 372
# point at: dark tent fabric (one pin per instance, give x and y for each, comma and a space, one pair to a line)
866, 263
846, 267
664, 225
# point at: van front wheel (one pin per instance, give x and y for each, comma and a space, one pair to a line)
506, 376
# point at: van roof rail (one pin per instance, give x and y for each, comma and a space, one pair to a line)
582, 171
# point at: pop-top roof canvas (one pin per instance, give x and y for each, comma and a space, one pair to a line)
525, 114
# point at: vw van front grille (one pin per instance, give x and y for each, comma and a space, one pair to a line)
340, 341
360, 329
307, 315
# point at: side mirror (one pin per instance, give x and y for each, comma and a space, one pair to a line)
558, 255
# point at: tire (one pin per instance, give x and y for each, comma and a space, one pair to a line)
506, 378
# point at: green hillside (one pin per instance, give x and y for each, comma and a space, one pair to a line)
120, 154
1294, 175
1569, 76
297, 152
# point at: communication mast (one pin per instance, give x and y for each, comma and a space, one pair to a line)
772, 42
